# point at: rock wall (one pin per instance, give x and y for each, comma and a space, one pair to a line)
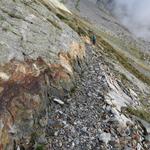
38, 53
30, 28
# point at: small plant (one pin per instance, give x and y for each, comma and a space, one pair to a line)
2, 18
40, 147
141, 113
73, 90
61, 17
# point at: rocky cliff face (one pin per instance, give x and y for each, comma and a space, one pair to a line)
58, 91
36, 48
30, 29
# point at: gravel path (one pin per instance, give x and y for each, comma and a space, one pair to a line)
85, 121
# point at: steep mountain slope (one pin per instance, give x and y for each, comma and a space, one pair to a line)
58, 91
134, 49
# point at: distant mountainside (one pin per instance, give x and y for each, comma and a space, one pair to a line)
107, 5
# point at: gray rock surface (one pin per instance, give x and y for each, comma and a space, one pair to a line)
30, 28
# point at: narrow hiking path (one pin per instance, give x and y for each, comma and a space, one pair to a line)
86, 121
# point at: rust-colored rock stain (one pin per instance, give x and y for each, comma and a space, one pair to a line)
21, 92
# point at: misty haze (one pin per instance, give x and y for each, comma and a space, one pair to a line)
134, 14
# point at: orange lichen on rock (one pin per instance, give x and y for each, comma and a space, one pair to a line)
86, 39
23, 87
77, 50
18, 95
22, 93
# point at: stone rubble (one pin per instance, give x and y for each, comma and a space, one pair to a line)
88, 121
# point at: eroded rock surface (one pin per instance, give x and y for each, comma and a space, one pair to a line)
37, 51
24, 98
30, 28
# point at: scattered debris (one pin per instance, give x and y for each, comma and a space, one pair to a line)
58, 101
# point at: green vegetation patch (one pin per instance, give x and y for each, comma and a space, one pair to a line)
61, 17
40, 147
141, 113
126, 62
2, 18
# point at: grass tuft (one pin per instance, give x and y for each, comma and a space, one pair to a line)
141, 113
